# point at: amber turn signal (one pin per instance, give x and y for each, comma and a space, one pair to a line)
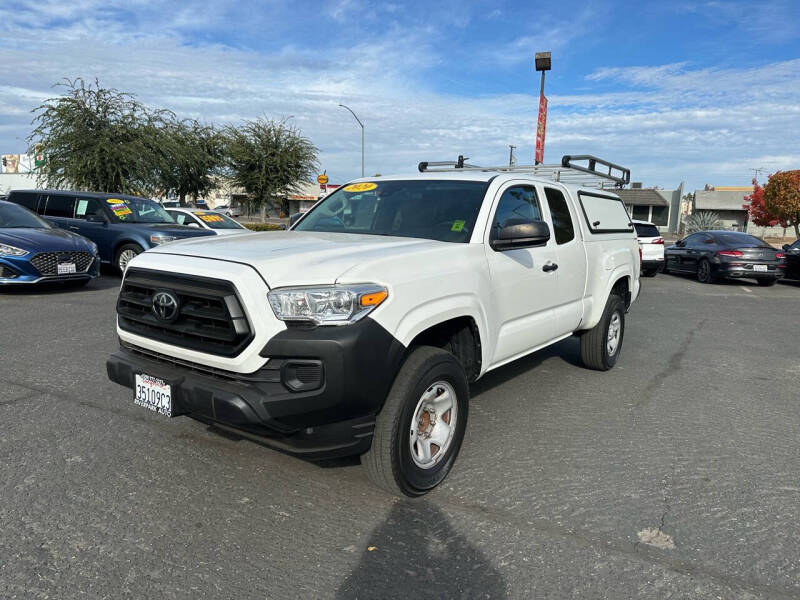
374, 298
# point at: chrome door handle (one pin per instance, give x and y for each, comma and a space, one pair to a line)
549, 267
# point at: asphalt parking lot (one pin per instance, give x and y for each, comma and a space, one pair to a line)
675, 475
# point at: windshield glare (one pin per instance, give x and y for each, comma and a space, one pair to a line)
429, 209
138, 210
13, 215
216, 220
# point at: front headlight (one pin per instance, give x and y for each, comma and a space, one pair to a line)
326, 304
160, 238
6, 250
95, 249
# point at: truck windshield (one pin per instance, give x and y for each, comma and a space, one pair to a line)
216, 220
138, 210
432, 209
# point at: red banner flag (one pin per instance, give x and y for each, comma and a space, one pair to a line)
540, 128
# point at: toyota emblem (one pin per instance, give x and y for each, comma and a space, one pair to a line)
165, 306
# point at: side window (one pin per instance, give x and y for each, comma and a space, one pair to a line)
518, 202
59, 206
25, 199
180, 218
85, 207
695, 239
559, 211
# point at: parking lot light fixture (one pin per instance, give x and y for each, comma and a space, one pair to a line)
362, 135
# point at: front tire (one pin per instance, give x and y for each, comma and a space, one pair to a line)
419, 431
602, 345
704, 271
126, 254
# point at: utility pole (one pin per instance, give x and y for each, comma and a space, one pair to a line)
511, 155
757, 172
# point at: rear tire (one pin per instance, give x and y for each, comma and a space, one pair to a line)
396, 461
125, 254
602, 345
766, 282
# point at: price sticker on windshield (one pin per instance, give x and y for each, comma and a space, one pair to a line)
115, 201
457, 225
210, 218
360, 187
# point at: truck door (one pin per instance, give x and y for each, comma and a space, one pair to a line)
524, 284
571, 260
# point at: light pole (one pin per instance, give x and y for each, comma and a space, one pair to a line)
362, 136
542, 63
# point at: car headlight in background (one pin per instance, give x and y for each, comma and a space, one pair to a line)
159, 238
6, 250
326, 304
95, 249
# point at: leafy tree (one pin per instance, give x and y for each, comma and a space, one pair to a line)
193, 153
754, 205
269, 159
782, 198
99, 139
702, 220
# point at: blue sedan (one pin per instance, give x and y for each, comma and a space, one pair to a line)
33, 251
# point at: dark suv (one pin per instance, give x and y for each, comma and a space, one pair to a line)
122, 226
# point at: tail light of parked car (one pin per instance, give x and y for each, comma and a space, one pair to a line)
658, 241
640, 254
780, 256
731, 253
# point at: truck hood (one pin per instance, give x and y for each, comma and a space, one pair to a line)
286, 258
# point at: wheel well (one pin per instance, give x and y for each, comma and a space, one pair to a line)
622, 288
460, 337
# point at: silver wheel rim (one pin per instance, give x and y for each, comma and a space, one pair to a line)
614, 334
434, 424
125, 257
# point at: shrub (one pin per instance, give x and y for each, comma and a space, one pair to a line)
264, 226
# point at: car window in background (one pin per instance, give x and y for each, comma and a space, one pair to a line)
795, 246
138, 210
216, 220
695, 238
13, 216
180, 218
429, 209
741, 239
59, 206
646, 231
85, 207
559, 212
27, 199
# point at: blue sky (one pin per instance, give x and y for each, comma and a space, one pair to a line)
693, 91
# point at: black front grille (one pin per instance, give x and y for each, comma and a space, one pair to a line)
210, 318
47, 262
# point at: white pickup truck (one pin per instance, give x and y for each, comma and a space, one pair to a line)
358, 331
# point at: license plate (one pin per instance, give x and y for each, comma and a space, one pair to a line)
761, 268
66, 268
153, 393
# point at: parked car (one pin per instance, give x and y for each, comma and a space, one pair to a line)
201, 204
122, 226
358, 331
229, 211
792, 252
170, 204
652, 246
206, 219
712, 254
33, 251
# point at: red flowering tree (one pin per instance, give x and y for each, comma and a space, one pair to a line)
754, 205
782, 198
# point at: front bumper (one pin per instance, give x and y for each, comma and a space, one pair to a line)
19, 271
317, 396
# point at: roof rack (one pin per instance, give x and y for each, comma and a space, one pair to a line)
596, 172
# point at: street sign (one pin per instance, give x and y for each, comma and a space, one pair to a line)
540, 129
322, 179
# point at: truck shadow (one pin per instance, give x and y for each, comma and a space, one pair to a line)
416, 553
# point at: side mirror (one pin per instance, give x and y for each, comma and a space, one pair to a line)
520, 233
786, 246
679, 243
96, 219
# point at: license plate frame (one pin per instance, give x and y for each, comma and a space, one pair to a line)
154, 394
66, 268
760, 268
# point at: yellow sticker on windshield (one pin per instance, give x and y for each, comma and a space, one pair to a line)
115, 201
360, 187
457, 225
210, 218
122, 210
